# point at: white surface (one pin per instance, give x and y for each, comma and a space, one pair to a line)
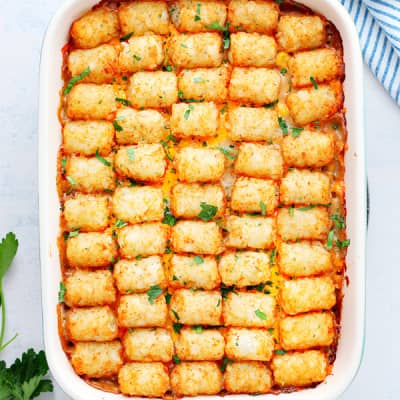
21, 28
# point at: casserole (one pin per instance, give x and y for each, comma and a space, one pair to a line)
350, 345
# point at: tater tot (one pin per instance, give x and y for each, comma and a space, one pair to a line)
253, 16
321, 65
140, 17
87, 137
148, 344
294, 224
254, 195
253, 124
309, 149
89, 288
199, 344
142, 240
141, 53
257, 379
196, 308
138, 204
193, 272
310, 104
144, 162
306, 331
308, 294
97, 360
102, 62
259, 161
305, 187
249, 344
249, 310
197, 16
208, 84
139, 275
136, 310
86, 213
141, 126
300, 369
187, 199
95, 27
95, 324
199, 164
92, 249
304, 258
300, 32
196, 50
90, 101
254, 85
153, 89
245, 268
90, 175
196, 237
144, 379
251, 232
196, 378
252, 50
199, 120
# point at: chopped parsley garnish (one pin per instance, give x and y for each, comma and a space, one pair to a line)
154, 292
176, 359
120, 224
296, 131
223, 109
198, 79
198, 260
306, 208
131, 154
126, 37
187, 112
102, 160
175, 278
184, 45
280, 352
283, 71
168, 219
272, 257
314, 83
224, 363
208, 211
71, 180
74, 233
338, 220
175, 314
335, 126
197, 16
63, 164
271, 105
225, 290
61, 292
291, 211
230, 154
225, 29
137, 58
260, 314
117, 126
168, 250
177, 327
329, 242
125, 102
263, 208
168, 68
168, 297
279, 1
342, 244
198, 329
283, 126
75, 79
139, 257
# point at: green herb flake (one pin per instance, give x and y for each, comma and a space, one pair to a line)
73, 233
314, 83
216, 26
260, 314
291, 211
296, 131
131, 154
271, 105
280, 352
120, 224
168, 219
329, 242
197, 15
168, 68
154, 292
223, 109
168, 250
175, 314
126, 37
230, 154
61, 292
225, 362
139, 257
283, 71
283, 126
208, 211
263, 208
137, 58
306, 208
71, 180
187, 112
125, 102
117, 126
198, 79
225, 290
176, 359
102, 160
198, 329
279, 1
175, 278
168, 297
272, 258
342, 244
338, 221
184, 45
177, 327
63, 164
75, 79
198, 260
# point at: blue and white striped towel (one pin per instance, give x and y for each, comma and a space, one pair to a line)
378, 25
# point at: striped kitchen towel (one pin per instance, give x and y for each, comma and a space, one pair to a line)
378, 25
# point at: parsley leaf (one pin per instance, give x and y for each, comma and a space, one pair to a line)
296, 131
198, 260
101, 159
187, 112
126, 37
131, 154
225, 290
272, 256
168, 297
271, 105
343, 244
61, 292
198, 329
230, 154
8, 250
314, 82
176, 359
117, 126
168, 219
125, 102
198, 79
216, 26
23, 380
154, 292
208, 211
260, 314
263, 208
306, 208
280, 352
176, 315
119, 223
283, 126
177, 327
71, 180
137, 58
329, 242
338, 220
224, 363
73, 233
75, 79
197, 16
283, 71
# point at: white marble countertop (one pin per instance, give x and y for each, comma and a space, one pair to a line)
22, 25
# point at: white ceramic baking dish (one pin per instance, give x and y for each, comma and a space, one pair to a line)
351, 342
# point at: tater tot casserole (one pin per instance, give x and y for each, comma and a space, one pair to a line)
201, 179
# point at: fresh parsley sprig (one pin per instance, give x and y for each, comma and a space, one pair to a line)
75, 79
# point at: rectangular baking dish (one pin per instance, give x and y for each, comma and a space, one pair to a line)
351, 342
